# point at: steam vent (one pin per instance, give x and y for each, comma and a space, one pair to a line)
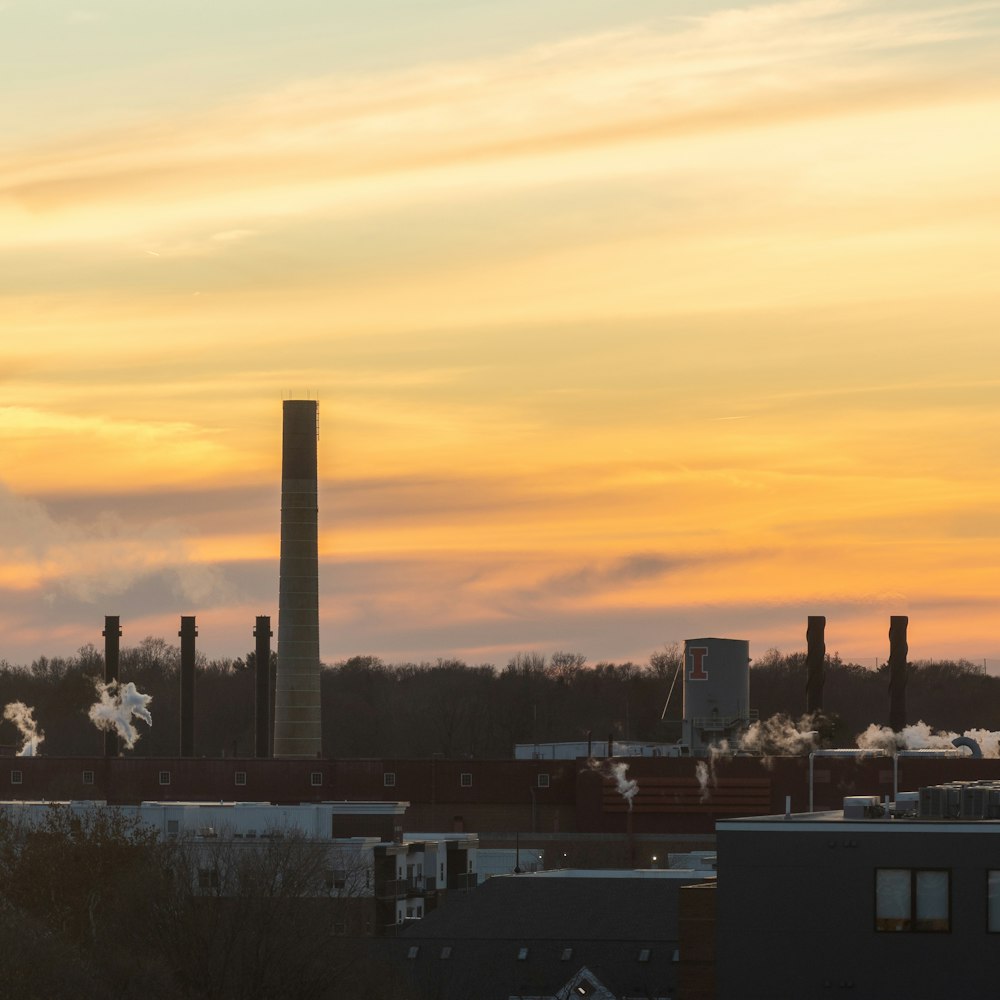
296, 696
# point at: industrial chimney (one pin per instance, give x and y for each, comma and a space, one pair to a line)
112, 633
297, 697
815, 662
898, 651
262, 687
188, 634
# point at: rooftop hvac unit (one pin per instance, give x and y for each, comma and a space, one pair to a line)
862, 807
975, 802
907, 802
941, 801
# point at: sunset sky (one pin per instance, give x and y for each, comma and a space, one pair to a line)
630, 322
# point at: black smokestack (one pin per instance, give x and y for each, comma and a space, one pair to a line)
112, 633
898, 652
815, 662
262, 687
188, 634
297, 728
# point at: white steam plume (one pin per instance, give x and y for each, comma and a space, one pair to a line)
23, 717
780, 736
920, 736
115, 708
702, 774
627, 787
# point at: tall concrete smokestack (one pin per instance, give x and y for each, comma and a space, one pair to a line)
112, 633
188, 634
815, 662
898, 651
297, 730
262, 687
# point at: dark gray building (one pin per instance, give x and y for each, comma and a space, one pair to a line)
603, 935
867, 905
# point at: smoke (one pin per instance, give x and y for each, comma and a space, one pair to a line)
115, 708
777, 736
627, 787
701, 772
780, 736
23, 717
920, 736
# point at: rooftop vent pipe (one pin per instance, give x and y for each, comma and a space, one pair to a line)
297, 726
970, 743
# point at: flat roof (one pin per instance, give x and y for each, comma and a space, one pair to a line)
820, 822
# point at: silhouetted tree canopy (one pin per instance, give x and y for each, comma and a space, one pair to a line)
449, 707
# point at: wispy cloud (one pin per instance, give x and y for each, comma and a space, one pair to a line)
98, 558
343, 144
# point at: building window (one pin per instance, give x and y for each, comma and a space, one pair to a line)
173, 827
446, 951
643, 955
543, 781
241, 777
522, 954
566, 955
465, 779
389, 779
413, 951
88, 777
315, 778
164, 777
16, 777
912, 899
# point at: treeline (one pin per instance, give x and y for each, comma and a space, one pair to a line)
375, 709
93, 906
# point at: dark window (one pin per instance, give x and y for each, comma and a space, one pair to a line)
16, 777
465, 779
567, 954
164, 777
88, 777
389, 779
643, 955
315, 778
241, 777
522, 954
446, 951
413, 951
208, 878
543, 781
912, 899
